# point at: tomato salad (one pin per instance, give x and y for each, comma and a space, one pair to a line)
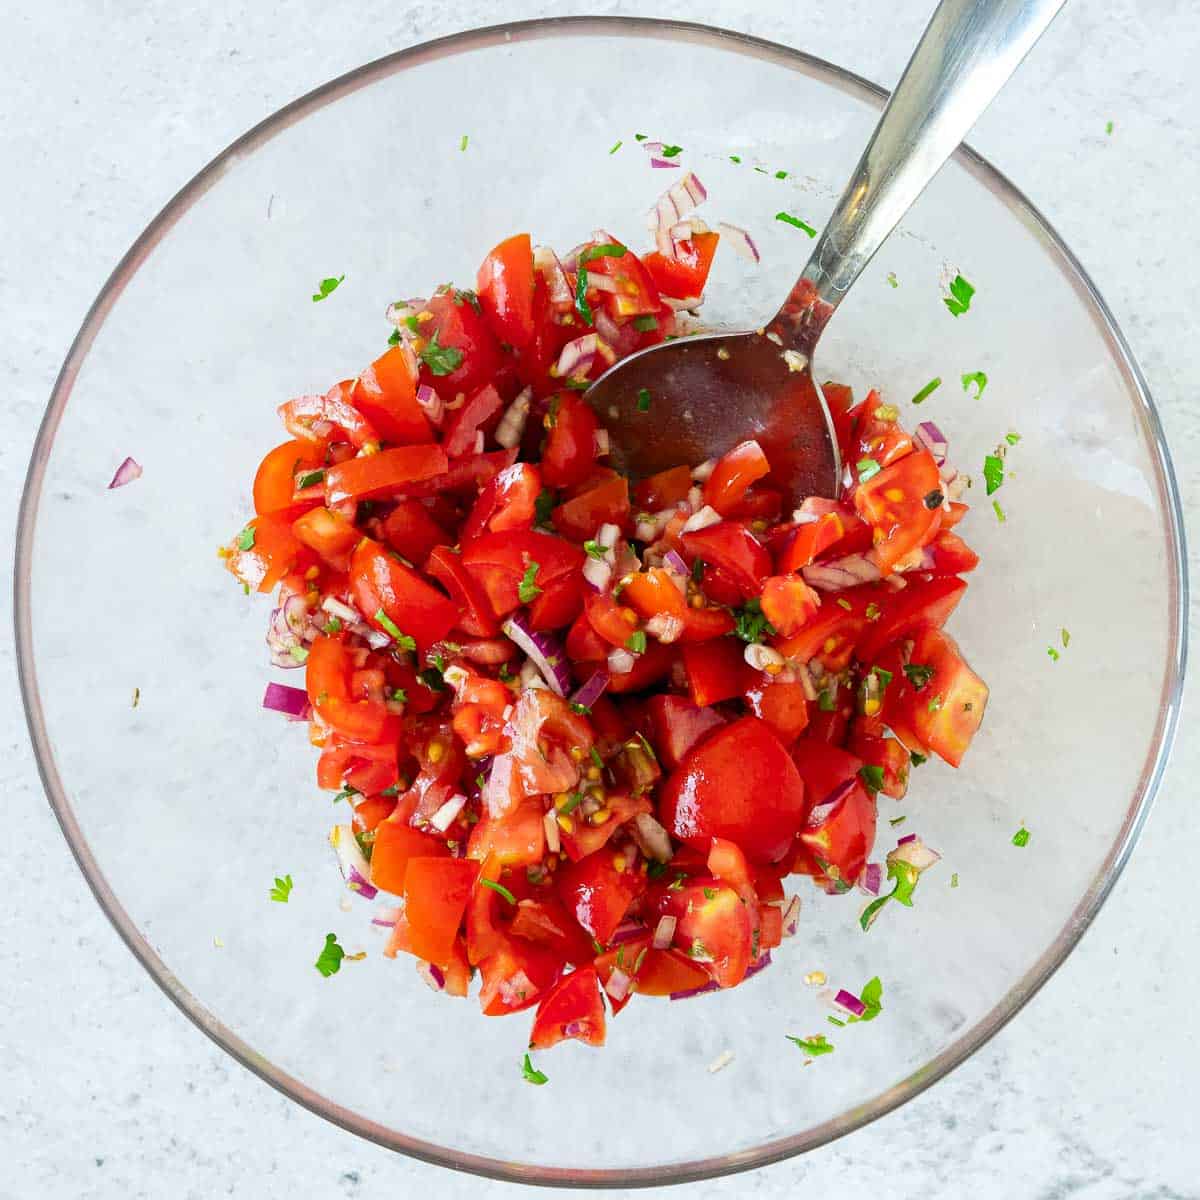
588, 728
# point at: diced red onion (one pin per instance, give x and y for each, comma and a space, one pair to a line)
791, 917
336, 608
819, 812
654, 148
355, 869
684, 230
688, 993
664, 932
433, 406
850, 1002
666, 627
618, 983
598, 572
547, 263
608, 534
287, 632
627, 931
544, 650
432, 974
377, 639
674, 562
904, 841
592, 690
842, 573
386, 916
651, 837
601, 283
702, 519
688, 302
281, 698
622, 338
914, 853
871, 879
446, 815
660, 163
601, 443
620, 662
929, 437
804, 679
550, 828
530, 676
759, 964
740, 240
577, 356
127, 472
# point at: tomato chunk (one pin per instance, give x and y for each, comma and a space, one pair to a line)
572, 1009
436, 891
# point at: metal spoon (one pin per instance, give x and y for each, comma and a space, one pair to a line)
692, 399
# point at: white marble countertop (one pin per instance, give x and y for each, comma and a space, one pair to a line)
106, 1089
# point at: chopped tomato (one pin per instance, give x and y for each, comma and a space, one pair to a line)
716, 670
396, 843
317, 419
605, 504
598, 892
546, 922
951, 555
869, 742
663, 490
386, 394
903, 505
327, 677
947, 710
505, 286
735, 471
518, 839
507, 501
475, 614
923, 604
411, 530
683, 276
876, 434
839, 834
458, 351
330, 534
392, 596
373, 476
788, 603
782, 705
436, 891
499, 562
733, 549
829, 638
276, 480
713, 926
265, 551
572, 1009
516, 975
570, 440
810, 540
463, 424
678, 725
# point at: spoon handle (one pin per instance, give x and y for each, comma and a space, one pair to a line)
964, 58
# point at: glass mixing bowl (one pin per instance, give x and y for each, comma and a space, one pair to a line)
182, 810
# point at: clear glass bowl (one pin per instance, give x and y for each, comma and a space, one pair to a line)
181, 810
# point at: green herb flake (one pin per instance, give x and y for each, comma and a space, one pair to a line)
917, 759
813, 1046
327, 287
604, 250
581, 304
999, 512
872, 998
781, 174
636, 642
836, 1021
282, 889
581, 709
310, 478
1108, 128
735, 158
872, 611
531, 1074
844, 603
394, 338
826, 701
543, 506
928, 390
954, 880
884, 676
573, 802
892, 280
979, 379
245, 539
1066, 637
750, 624
1021, 837
461, 296
645, 324
616, 146
710, 893
527, 590
299, 654
698, 570
1054, 654
671, 151
596, 758
643, 400
402, 640
1012, 438
867, 468
329, 961
959, 299
993, 472
593, 549
872, 775
462, 145
441, 360
894, 821
935, 703
500, 890
656, 870
796, 223
641, 137
347, 793
333, 625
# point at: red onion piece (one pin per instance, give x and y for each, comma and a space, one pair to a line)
791, 917
445, 816
598, 573
127, 472
654, 148
871, 879
620, 662
651, 837
660, 163
433, 406
627, 931
820, 811
618, 983
547, 263
740, 240
914, 853
904, 841
842, 573
281, 698
512, 425
432, 974
674, 562
592, 690
360, 884
577, 356
354, 867
850, 1002
688, 993
386, 916
545, 650
664, 933
929, 437
702, 519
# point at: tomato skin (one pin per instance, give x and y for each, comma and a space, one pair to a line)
546, 922
506, 501
466, 473
841, 835
464, 423
583, 838
685, 275
678, 725
712, 922
735, 471
606, 503
660, 491
868, 742
648, 669
516, 975
417, 608
614, 622
436, 891
329, 534
733, 549
781, 705
570, 442
374, 476
823, 768
951, 555
948, 710
893, 503
458, 326
716, 670
505, 283
276, 552
788, 603
275, 479
307, 418
572, 1009
873, 436
411, 530
923, 604
558, 605
636, 294
829, 638
597, 893
741, 784
584, 644
327, 679
396, 843
498, 562
809, 541
518, 839
474, 614
386, 394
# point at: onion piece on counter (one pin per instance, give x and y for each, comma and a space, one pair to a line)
929, 437
289, 700
791, 917
432, 974
871, 879
660, 163
851, 1003
127, 472
544, 650
740, 240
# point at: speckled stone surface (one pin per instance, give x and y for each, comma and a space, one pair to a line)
105, 1089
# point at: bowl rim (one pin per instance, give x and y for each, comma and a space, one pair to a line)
942, 1063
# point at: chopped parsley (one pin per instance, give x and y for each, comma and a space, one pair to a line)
1012, 438
581, 709
781, 174
399, 695
245, 539
954, 879
892, 280
402, 640
327, 287
461, 296
788, 219
671, 151
346, 793
1066, 638
1054, 654
935, 703
735, 158
1108, 128
641, 137
928, 390
333, 625
750, 624
282, 889
527, 590
993, 472
813, 1046
710, 893
917, 759
959, 299
531, 1074
978, 378
581, 305
999, 512
645, 323
462, 145
593, 549
604, 250
872, 775
543, 506
431, 677
894, 821
643, 400
616, 146
867, 468
826, 701
572, 803
1021, 837
872, 611
310, 478
441, 360
844, 603
500, 890
636, 642
329, 961
872, 998
596, 758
